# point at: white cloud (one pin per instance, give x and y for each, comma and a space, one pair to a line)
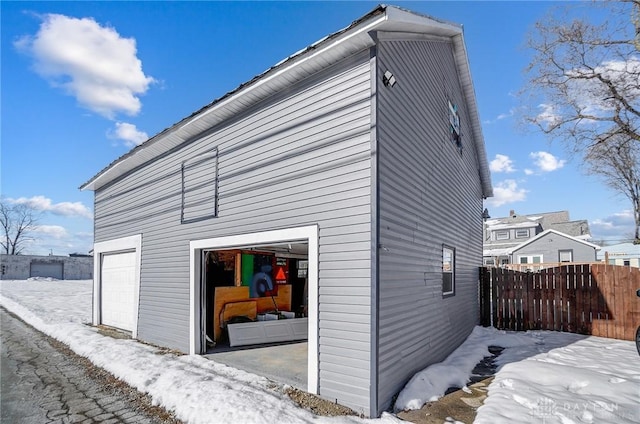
53, 239
91, 62
548, 116
129, 134
53, 231
618, 226
501, 163
529, 171
501, 116
546, 162
43, 204
504, 115
506, 192
593, 95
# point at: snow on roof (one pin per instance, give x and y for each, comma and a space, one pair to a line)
502, 226
297, 67
496, 252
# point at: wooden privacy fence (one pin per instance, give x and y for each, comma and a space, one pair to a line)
596, 299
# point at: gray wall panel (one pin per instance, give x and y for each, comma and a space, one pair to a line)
299, 159
429, 195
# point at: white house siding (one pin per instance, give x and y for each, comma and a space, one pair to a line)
300, 158
429, 195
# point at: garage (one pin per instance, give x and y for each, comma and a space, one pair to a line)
118, 276
47, 269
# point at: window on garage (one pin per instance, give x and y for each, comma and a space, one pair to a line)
448, 270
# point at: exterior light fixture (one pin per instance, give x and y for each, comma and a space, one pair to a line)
388, 79
485, 215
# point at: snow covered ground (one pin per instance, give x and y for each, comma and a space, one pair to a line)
544, 377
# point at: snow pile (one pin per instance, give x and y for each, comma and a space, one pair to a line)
543, 376
568, 378
431, 383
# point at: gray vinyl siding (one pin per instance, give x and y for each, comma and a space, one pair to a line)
549, 246
429, 195
300, 158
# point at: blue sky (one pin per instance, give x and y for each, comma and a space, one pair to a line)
83, 82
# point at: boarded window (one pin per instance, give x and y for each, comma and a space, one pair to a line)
200, 187
565, 255
448, 271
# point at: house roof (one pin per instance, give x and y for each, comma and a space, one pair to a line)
300, 65
578, 229
545, 233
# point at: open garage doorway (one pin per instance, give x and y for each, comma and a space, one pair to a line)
254, 303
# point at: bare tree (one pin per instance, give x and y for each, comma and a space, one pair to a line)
17, 223
584, 86
618, 164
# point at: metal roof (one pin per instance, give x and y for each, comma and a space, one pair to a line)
620, 251
352, 39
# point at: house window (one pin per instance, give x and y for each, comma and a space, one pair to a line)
489, 262
448, 271
522, 233
502, 235
530, 259
565, 255
627, 262
200, 187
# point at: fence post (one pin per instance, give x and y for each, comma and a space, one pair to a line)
485, 297
496, 281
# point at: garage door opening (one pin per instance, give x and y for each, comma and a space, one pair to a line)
255, 309
254, 303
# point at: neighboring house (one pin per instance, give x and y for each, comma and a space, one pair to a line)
21, 267
626, 254
353, 173
503, 235
552, 246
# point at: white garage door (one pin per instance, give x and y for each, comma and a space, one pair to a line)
117, 289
